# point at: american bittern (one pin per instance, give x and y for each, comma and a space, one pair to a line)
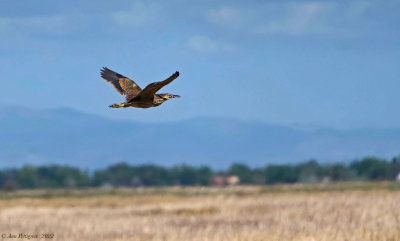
134, 95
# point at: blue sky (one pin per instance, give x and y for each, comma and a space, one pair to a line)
325, 63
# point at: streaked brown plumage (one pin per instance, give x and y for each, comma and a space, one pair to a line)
134, 95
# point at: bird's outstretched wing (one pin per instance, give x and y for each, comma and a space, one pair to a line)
122, 84
151, 89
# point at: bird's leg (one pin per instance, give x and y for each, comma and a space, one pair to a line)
117, 105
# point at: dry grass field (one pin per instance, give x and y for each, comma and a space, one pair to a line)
347, 211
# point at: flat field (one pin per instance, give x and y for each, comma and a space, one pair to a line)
341, 211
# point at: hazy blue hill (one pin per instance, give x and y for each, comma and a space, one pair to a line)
70, 137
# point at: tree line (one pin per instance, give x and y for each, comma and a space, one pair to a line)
123, 174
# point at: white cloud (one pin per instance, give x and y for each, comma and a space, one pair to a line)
3, 23
202, 44
295, 18
359, 8
56, 24
298, 18
229, 16
205, 45
140, 13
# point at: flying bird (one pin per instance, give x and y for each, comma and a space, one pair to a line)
134, 95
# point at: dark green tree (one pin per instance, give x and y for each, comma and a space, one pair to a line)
242, 171
372, 168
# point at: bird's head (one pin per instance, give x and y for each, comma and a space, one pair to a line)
168, 96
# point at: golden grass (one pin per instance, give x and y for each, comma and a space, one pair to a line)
282, 212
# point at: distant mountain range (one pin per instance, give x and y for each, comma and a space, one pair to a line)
66, 136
